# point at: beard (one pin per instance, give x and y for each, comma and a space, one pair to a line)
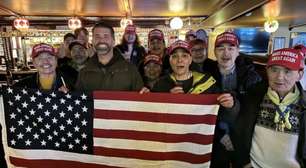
102, 48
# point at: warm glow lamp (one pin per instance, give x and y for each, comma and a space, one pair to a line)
176, 23
271, 26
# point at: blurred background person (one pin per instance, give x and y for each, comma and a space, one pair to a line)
82, 35
200, 61
79, 57
64, 52
157, 46
130, 46
152, 70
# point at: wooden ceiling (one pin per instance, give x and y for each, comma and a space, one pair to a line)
150, 13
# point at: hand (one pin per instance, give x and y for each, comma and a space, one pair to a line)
63, 89
144, 90
177, 90
226, 100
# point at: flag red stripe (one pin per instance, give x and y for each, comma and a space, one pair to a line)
154, 136
48, 163
149, 155
156, 117
207, 99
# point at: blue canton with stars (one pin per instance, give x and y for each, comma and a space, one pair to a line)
48, 120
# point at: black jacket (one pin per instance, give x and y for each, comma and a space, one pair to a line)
246, 75
207, 65
245, 124
137, 54
166, 83
32, 82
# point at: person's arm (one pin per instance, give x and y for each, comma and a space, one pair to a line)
79, 83
229, 114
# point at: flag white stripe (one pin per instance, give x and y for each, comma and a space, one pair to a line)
94, 159
152, 146
203, 129
167, 108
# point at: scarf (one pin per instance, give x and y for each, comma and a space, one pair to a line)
283, 107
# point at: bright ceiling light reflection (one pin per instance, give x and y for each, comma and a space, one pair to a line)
271, 26
176, 23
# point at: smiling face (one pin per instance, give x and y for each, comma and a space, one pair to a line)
180, 61
156, 46
45, 63
79, 54
226, 55
282, 79
198, 53
152, 70
103, 40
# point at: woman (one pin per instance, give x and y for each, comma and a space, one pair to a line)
152, 70
130, 46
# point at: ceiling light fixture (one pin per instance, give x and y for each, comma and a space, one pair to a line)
124, 22
74, 23
176, 23
271, 25
21, 24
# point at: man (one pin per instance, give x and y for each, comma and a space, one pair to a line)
157, 46
47, 78
79, 56
64, 53
270, 131
130, 46
107, 69
236, 74
232, 71
200, 61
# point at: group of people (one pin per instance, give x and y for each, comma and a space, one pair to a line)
260, 123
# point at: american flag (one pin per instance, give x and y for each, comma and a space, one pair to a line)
114, 129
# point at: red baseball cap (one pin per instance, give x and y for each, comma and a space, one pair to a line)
130, 29
41, 48
152, 58
179, 44
301, 48
156, 34
227, 37
287, 57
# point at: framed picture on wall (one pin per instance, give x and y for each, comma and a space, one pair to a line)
297, 38
279, 42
